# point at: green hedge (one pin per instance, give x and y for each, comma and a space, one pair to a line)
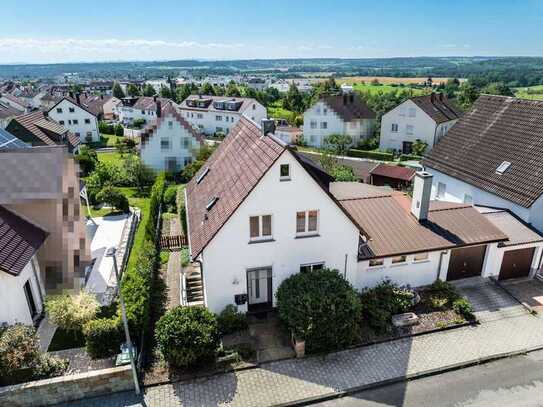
103, 337
409, 157
375, 155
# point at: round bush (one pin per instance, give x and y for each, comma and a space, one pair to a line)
113, 197
230, 320
72, 312
103, 337
320, 307
187, 336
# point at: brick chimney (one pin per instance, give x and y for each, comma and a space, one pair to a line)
422, 187
78, 98
432, 97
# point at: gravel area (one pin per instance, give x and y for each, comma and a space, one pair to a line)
81, 362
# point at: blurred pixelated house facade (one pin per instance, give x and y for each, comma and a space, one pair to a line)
41, 185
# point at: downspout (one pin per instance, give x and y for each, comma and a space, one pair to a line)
38, 282
440, 263
345, 267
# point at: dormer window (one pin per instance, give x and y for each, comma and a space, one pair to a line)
284, 172
212, 203
503, 167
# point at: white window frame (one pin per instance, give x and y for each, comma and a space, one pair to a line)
395, 262
306, 231
422, 257
284, 177
167, 140
313, 124
394, 128
409, 129
320, 265
379, 263
260, 236
324, 125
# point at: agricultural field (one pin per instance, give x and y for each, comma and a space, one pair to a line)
532, 92
388, 80
373, 89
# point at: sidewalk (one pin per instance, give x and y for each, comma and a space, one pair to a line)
291, 380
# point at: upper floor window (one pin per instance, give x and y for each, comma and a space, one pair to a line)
313, 124
218, 118
71, 110
164, 143
260, 227
311, 267
87, 121
254, 106
324, 125
284, 172
409, 129
199, 115
412, 112
75, 121
143, 112
324, 111
307, 222
318, 110
185, 142
61, 122
394, 127
59, 110
170, 124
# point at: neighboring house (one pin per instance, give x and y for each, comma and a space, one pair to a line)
257, 213
37, 129
143, 107
169, 143
21, 288
361, 168
338, 114
393, 176
289, 134
14, 102
425, 118
258, 84
41, 185
102, 106
219, 114
6, 114
492, 157
76, 117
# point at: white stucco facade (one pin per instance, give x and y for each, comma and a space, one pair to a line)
455, 190
76, 119
407, 122
230, 254
15, 307
320, 121
170, 147
127, 114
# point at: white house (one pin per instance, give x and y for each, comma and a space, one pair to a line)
219, 114
71, 114
170, 143
491, 157
338, 114
258, 212
425, 118
144, 108
21, 289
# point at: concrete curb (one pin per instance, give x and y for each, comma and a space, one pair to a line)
412, 376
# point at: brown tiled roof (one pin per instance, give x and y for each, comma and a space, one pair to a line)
517, 231
393, 230
235, 168
169, 110
393, 171
149, 103
37, 122
349, 107
438, 107
19, 240
495, 130
246, 103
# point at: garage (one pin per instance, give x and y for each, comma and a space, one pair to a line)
516, 263
466, 262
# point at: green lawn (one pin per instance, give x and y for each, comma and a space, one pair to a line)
374, 89
141, 201
110, 140
276, 111
532, 92
111, 157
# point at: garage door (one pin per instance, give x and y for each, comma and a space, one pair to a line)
466, 262
516, 263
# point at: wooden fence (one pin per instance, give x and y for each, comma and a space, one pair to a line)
173, 242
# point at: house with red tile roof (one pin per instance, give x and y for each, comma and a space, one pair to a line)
79, 118
426, 118
169, 143
258, 212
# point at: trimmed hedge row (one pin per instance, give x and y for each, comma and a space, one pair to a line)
409, 157
375, 155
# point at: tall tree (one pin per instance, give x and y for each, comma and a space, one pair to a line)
118, 91
232, 90
293, 99
149, 90
498, 88
166, 92
185, 90
207, 89
467, 95
133, 90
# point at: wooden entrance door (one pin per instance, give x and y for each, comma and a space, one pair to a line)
466, 262
516, 263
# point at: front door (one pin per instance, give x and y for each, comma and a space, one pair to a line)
259, 288
407, 147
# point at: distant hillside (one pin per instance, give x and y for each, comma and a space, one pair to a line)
518, 71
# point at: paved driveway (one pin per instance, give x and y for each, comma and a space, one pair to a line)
490, 302
529, 292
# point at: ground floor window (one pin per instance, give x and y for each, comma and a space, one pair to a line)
420, 257
377, 262
399, 259
311, 266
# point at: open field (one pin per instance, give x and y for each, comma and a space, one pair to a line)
532, 92
373, 89
388, 80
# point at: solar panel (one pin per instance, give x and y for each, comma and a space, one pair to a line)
9, 141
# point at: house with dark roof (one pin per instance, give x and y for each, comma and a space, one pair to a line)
338, 114
219, 114
258, 212
170, 142
7, 113
80, 118
492, 157
425, 118
141, 108
21, 287
38, 129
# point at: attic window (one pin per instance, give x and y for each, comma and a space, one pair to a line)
212, 203
202, 175
503, 167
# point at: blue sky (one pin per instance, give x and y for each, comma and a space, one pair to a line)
96, 30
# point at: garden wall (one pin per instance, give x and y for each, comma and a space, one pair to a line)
68, 388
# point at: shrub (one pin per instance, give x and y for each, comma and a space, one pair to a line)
381, 302
440, 295
230, 320
321, 307
106, 128
119, 130
368, 144
112, 196
19, 348
170, 198
375, 155
138, 123
71, 312
187, 336
49, 366
463, 307
103, 337
410, 157
87, 160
